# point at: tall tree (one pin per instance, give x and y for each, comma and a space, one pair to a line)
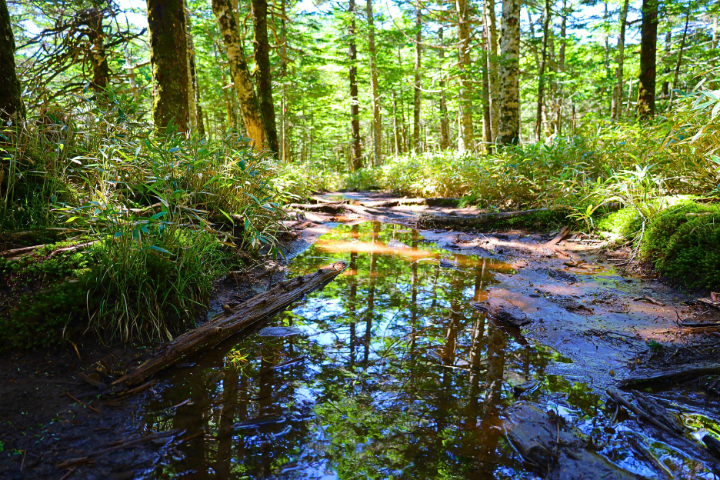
252, 117
541, 72
444, 124
509, 129
417, 93
492, 67
377, 125
98, 56
11, 106
465, 135
648, 50
616, 108
676, 76
355, 150
168, 55
264, 77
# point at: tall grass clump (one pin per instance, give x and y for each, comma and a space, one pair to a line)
160, 217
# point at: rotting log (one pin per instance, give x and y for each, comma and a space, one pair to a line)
473, 220
674, 375
224, 326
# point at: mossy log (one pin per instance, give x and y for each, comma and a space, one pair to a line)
473, 220
224, 326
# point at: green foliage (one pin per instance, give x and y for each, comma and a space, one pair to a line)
152, 286
682, 244
157, 207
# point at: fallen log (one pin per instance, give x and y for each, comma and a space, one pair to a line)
473, 220
224, 326
674, 375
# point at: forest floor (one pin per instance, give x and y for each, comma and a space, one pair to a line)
572, 293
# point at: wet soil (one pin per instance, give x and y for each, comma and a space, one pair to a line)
390, 372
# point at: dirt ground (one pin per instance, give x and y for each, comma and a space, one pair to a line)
603, 317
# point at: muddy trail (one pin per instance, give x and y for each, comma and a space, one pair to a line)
435, 354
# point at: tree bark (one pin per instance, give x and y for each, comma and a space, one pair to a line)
465, 134
509, 128
192, 77
168, 55
417, 92
264, 77
98, 55
396, 127
285, 110
487, 125
676, 76
648, 49
541, 72
561, 67
12, 109
356, 152
377, 125
492, 67
665, 91
616, 108
444, 123
249, 107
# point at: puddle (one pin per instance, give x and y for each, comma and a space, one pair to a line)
386, 373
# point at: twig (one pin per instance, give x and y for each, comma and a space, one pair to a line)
70, 472
82, 403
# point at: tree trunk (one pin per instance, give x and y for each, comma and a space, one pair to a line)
377, 125
541, 72
131, 75
444, 123
396, 127
192, 77
168, 55
285, 130
492, 67
665, 91
616, 109
12, 109
648, 49
252, 117
509, 129
356, 155
465, 124
416, 96
676, 76
98, 55
487, 125
264, 77
561, 68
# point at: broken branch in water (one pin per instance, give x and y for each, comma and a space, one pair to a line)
224, 326
666, 423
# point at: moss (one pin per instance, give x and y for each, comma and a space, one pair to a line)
624, 223
683, 243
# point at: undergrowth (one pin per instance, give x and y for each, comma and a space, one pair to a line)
159, 217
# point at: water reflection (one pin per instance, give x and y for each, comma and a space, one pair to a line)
394, 375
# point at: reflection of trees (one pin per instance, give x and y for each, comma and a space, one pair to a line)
399, 415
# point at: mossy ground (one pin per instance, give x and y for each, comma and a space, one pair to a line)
681, 241
118, 289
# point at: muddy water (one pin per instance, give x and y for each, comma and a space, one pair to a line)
386, 373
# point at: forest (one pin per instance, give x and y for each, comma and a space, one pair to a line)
342, 239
